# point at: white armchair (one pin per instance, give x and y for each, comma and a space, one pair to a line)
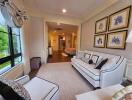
39, 89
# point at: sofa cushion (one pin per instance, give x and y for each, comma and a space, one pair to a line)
88, 69
87, 56
44, 87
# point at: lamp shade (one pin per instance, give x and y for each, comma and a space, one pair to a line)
129, 38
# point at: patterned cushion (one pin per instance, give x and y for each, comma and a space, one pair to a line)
18, 88
128, 96
123, 94
95, 58
87, 56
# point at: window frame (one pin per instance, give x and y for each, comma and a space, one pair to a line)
12, 55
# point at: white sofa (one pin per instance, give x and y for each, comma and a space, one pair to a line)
110, 74
39, 89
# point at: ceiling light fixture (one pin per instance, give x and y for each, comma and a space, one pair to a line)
64, 10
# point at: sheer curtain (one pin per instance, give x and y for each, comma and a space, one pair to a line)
12, 15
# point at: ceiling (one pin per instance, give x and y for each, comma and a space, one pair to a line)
62, 28
77, 9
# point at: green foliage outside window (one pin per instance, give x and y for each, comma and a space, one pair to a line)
4, 43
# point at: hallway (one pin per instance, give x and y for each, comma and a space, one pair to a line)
58, 57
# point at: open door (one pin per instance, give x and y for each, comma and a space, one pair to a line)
46, 41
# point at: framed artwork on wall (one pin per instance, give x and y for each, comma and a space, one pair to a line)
101, 25
119, 19
99, 41
117, 40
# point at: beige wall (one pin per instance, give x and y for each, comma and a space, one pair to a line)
53, 38
88, 30
36, 38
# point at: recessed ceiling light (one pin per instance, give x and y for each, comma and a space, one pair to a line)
64, 10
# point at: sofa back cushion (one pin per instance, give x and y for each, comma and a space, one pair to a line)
86, 57
109, 64
105, 55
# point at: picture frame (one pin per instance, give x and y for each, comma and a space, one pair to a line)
101, 25
116, 40
99, 41
120, 19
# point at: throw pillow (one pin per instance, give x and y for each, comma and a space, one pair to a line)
101, 63
123, 94
95, 58
87, 56
128, 96
17, 88
8, 93
90, 61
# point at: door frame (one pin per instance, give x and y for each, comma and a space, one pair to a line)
78, 47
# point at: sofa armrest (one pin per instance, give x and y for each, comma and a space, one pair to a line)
114, 75
23, 80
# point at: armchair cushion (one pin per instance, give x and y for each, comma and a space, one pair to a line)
23, 80
40, 89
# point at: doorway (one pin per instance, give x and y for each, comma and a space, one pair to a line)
62, 39
62, 42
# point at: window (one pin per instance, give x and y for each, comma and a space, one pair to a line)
10, 47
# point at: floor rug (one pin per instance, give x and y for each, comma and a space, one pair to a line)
70, 82
64, 54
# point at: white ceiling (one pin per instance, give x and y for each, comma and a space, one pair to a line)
78, 9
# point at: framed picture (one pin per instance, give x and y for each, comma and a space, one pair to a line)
117, 40
119, 19
101, 25
99, 41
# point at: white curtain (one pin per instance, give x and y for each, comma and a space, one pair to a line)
11, 15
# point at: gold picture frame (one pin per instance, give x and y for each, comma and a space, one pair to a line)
101, 25
116, 40
120, 19
100, 41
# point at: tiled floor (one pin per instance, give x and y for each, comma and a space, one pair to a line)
57, 57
